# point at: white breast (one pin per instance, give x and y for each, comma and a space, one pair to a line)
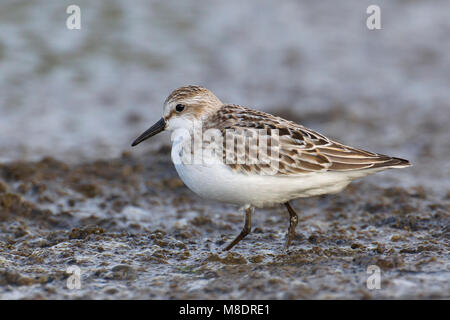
217, 181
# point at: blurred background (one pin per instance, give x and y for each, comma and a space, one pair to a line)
122, 215
85, 94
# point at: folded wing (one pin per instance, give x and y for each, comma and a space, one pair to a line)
292, 148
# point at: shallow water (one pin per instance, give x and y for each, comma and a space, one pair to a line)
127, 221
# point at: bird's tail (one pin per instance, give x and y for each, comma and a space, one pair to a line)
396, 163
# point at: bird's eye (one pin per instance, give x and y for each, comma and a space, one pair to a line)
179, 108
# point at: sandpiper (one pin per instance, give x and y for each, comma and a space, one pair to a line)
255, 159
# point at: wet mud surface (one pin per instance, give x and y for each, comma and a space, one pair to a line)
135, 231
131, 226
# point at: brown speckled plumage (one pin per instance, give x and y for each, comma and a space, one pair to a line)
301, 150
185, 92
268, 160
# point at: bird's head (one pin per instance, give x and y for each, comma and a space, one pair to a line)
182, 108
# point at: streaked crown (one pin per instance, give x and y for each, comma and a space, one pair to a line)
190, 102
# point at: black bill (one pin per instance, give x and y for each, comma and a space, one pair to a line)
154, 129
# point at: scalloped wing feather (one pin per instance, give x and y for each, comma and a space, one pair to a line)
299, 151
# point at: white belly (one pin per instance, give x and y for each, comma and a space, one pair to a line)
217, 181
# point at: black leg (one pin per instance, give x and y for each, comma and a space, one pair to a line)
245, 231
293, 221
